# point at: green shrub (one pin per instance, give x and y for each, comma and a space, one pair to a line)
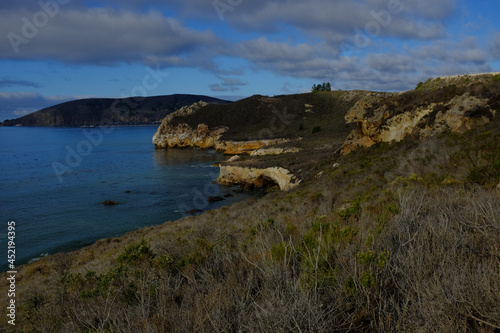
135, 252
309, 240
278, 251
350, 286
484, 135
383, 257
165, 261
366, 257
316, 129
317, 196
290, 228
348, 233
352, 209
483, 175
367, 279
496, 78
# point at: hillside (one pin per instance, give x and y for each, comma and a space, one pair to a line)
313, 126
398, 235
287, 116
101, 111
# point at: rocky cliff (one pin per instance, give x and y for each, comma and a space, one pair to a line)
454, 104
182, 135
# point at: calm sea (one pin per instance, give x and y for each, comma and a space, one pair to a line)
53, 182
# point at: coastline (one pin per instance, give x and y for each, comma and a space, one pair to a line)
140, 178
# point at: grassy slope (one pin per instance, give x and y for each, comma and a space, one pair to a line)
261, 117
400, 237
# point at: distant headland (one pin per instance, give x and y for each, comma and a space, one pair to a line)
109, 111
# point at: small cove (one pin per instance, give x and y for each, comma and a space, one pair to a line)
54, 180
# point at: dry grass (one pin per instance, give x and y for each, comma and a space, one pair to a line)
418, 259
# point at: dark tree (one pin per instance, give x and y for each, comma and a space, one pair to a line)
325, 86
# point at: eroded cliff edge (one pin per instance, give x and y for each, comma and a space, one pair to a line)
257, 177
183, 135
273, 135
454, 104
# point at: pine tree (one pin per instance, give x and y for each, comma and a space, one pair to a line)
325, 86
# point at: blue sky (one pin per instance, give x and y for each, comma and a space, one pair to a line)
53, 51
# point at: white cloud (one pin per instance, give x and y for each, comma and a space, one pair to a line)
8, 82
105, 36
219, 87
302, 60
465, 52
12, 96
227, 84
398, 63
16, 104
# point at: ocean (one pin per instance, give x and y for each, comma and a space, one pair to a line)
53, 183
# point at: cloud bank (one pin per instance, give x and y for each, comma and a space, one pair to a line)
362, 44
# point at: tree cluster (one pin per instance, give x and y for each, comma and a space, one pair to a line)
322, 87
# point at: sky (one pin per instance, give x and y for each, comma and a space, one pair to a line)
52, 51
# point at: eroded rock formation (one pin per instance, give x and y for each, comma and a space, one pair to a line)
256, 177
274, 151
182, 135
385, 117
244, 147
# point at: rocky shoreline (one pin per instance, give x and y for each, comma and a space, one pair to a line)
182, 135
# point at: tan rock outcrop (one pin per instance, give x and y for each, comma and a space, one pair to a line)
274, 151
244, 147
256, 177
393, 121
183, 136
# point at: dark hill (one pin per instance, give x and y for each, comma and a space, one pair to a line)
286, 116
100, 111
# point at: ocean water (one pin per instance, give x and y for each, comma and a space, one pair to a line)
53, 182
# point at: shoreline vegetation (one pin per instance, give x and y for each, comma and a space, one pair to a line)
384, 233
